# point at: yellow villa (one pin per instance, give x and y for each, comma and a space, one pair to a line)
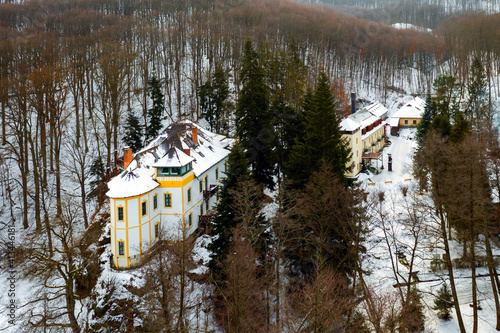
166, 190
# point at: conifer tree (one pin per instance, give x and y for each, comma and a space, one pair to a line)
477, 104
213, 96
97, 183
224, 222
427, 117
323, 139
253, 118
443, 302
155, 112
446, 100
133, 132
287, 124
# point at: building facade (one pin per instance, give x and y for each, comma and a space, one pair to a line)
409, 115
166, 191
364, 132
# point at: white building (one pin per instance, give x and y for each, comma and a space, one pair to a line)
166, 189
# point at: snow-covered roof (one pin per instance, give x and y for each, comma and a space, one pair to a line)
173, 158
203, 123
364, 117
377, 109
131, 183
349, 125
412, 109
181, 143
394, 122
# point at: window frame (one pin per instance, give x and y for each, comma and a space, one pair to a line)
165, 201
157, 230
155, 201
217, 174
201, 185
190, 220
121, 251
189, 195
118, 209
144, 208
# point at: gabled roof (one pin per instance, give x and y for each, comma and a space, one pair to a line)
364, 117
412, 109
377, 109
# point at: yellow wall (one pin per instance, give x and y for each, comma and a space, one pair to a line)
410, 122
356, 146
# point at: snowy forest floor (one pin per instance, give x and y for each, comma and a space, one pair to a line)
378, 262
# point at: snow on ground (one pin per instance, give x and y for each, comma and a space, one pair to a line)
402, 26
381, 278
201, 255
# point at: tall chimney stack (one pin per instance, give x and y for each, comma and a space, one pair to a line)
353, 103
127, 157
194, 131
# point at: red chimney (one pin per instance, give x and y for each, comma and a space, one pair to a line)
127, 157
194, 130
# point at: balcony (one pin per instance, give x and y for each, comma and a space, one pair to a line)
204, 225
211, 192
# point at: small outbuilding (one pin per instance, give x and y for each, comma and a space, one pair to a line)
409, 115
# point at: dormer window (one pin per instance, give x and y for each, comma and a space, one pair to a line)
174, 171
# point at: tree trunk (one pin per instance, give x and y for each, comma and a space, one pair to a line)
449, 266
493, 273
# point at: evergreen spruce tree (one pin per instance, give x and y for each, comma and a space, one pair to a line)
444, 303
323, 139
427, 117
213, 96
477, 104
253, 118
133, 132
460, 129
154, 125
446, 100
287, 125
98, 177
224, 222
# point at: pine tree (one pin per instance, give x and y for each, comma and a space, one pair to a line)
97, 183
253, 118
443, 303
155, 112
213, 96
133, 132
477, 104
224, 222
323, 139
427, 117
287, 124
446, 100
